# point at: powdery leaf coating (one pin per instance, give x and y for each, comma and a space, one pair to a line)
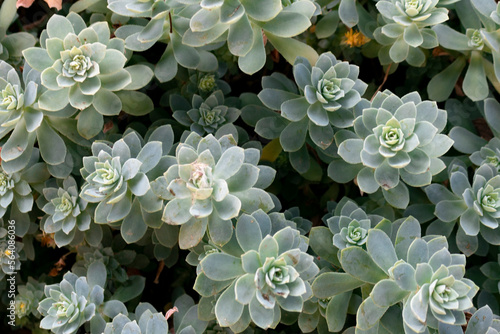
65, 211
476, 205
118, 177
211, 183
68, 305
395, 139
274, 274
206, 115
327, 94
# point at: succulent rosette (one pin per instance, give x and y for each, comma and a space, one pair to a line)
414, 277
113, 261
12, 98
268, 274
393, 138
10, 256
203, 115
148, 322
21, 117
354, 234
7, 188
488, 154
16, 98
84, 67
113, 176
66, 214
479, 49
330, 84
406, 29
28, 298
16, 191
204, 84
326, 95
422, 12
302, 224
241, 23
210, 184
476, 206
207, 83
168, 23
475, 39
118, 176
350, 227
441, 292
70, 303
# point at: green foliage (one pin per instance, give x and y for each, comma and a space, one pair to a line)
204, 115
394, 138
474, 206
210, 183
70, 304
148, 321
271, 274
230, 166
65, 212
406, 30
28, 298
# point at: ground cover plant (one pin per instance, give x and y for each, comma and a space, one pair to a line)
250, 166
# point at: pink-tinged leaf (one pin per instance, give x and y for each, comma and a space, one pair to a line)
54, 3
24, 3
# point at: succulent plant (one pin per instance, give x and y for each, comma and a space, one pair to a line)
441, 290
474, 49
301, 224
483, 320
203, 83
113, 261
12, 45
28, 298
324, 100
406, 29
210, 184
16, 191
70, 304
66, 213
131, 177
10, 255
329, 89
488, 154
393, 139
118, 177
203, 115
85, 68
241, 23
21, 117
169, 22
351, 226
476, 206
148, 322
269, 274
199, 252
14, 188
207, 83
418, 273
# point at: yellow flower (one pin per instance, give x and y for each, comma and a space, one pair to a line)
7, 252
354, 39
